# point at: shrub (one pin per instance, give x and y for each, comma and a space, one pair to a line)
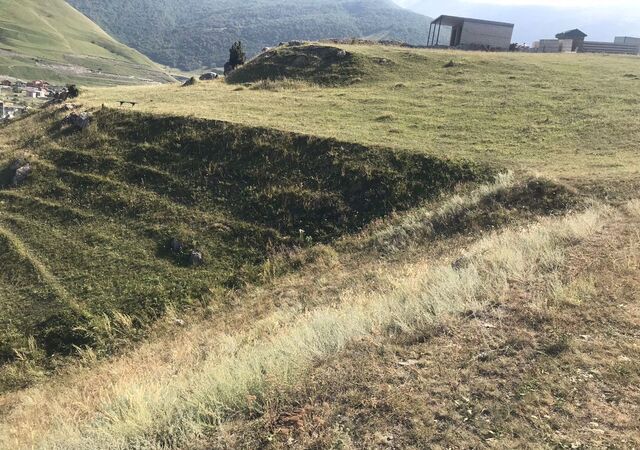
236, 55
72, 91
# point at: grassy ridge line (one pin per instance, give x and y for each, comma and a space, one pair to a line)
521, 111
53, 41
150, 413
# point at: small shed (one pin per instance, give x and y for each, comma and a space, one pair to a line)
576, 36
470, 34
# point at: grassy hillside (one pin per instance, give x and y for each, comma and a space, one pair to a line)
523, 111
190, 34
357, 351
374, 276
53, 41
89, 238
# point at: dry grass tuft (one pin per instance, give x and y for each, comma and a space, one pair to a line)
190, 385
285, 84
633, 207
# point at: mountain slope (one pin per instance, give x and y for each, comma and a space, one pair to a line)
54, 41
193, 33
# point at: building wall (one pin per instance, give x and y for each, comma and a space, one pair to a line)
626, 40
547, 46
485, 35
608, 47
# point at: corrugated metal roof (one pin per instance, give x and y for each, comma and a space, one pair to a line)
452, 21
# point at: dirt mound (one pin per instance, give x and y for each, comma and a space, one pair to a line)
320, 64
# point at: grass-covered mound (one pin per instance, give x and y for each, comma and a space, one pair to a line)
321, 64
97, 242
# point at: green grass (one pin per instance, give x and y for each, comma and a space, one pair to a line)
55, 42
86, 239
575, 117
381, 172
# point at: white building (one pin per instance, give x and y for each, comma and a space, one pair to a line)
628, 40
8, 112
32, 92
470, 34
553, 46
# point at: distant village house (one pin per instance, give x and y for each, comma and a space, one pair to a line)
8, 112
40, 84
33, 92
575, 38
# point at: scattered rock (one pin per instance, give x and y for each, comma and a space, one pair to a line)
341, 53
16, 164
176, 246
460, 263
295, 43
207, 76
79, 121
179, 322
196, 258
409, 362
228, 68
21, 174
450, 64
190, 82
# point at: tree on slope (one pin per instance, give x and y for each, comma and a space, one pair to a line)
236, 57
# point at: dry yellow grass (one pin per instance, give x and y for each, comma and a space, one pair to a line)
168, 392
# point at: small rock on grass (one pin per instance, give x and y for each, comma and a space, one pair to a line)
21, 170
196, 258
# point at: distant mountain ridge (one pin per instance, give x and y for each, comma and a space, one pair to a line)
190, 34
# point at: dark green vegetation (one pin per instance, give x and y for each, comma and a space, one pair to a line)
237, 56
52, 41
86, 241
320, 64
190, 34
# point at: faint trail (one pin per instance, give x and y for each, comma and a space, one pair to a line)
40, 269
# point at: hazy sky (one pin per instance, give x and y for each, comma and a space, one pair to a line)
602, 20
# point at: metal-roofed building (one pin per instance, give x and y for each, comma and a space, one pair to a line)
470, 34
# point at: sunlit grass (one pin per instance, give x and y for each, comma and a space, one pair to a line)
525, 111
148, 400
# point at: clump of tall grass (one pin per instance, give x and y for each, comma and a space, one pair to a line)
234, 375
633, 207
283, 84
490, 206
418, 224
